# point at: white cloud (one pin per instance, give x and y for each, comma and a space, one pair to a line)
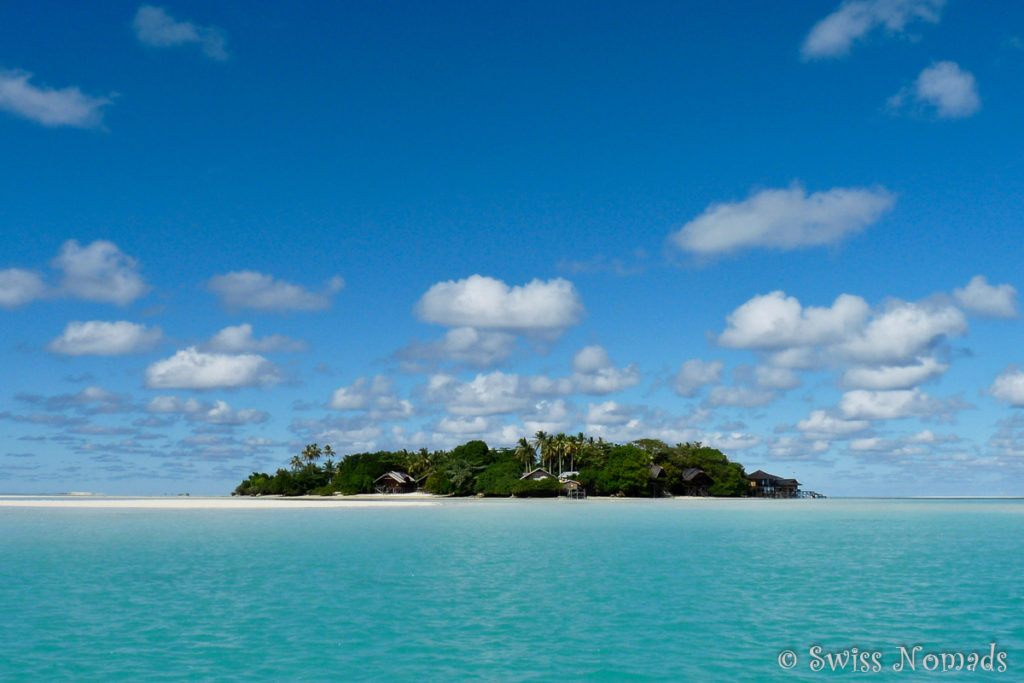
696, 373
981, 298
951, 90
889, 405
377, 396
216, 413
464, 425
487, 394
775, 321
767, 377
46, 106
154, 27
596, 374
898, 334
193, 369
99, 272
251, 289
484, 302
609, 413
476, 348
239, 339
745, 397
822, 426
894, 377
547, 416
98, 338
18, 286
834, 35
874, 443
783, 219
1009, 386
903, 331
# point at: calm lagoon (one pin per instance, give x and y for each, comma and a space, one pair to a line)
511, 590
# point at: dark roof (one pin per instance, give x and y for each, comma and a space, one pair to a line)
538, 471
657, 471
773, 479
694, 474
400, 477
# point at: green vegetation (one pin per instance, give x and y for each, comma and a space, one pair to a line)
473, 468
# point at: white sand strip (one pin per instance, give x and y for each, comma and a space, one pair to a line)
201, 503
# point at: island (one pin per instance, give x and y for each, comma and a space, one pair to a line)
544, 466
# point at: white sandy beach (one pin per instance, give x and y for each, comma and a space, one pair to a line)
211, 502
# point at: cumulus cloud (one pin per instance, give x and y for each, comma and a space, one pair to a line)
820, 425
897, 334
696, 373
98, 338
18, 286
894, 377
483, 302
890, 405
902, 331
746, 397
834, 35
783, 219
154, 27
944, 86
239, 339
594, 373
1009, 386
468, 345
251, 289
99, 272
377, 396
487, 394
775, 321
194, 369
216, 413
768, 377
49, 107
983, 299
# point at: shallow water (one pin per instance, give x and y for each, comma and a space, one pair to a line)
508, 590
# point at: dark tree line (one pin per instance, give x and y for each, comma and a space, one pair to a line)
473, 468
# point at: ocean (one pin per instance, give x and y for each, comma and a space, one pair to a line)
603, 590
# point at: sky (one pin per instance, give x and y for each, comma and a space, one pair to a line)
789, 231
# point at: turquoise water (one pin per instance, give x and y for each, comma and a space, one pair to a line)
509, 590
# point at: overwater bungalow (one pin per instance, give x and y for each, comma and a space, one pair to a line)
394, 482
764, 485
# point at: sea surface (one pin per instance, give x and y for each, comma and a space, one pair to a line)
515, 591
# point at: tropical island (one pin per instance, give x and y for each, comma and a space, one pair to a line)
545, 466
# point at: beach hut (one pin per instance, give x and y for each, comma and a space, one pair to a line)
537, 474
696, 482
657, 477
394, 482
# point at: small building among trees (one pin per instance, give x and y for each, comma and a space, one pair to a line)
394, 482
696, 481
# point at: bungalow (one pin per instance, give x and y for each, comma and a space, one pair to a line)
696, 482
657, 476
764, 485
537, 474
394, 482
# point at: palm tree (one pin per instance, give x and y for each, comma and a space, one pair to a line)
525, 454
311, 453
561, 445
542, 442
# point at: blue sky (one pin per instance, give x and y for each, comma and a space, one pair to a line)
793, 233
